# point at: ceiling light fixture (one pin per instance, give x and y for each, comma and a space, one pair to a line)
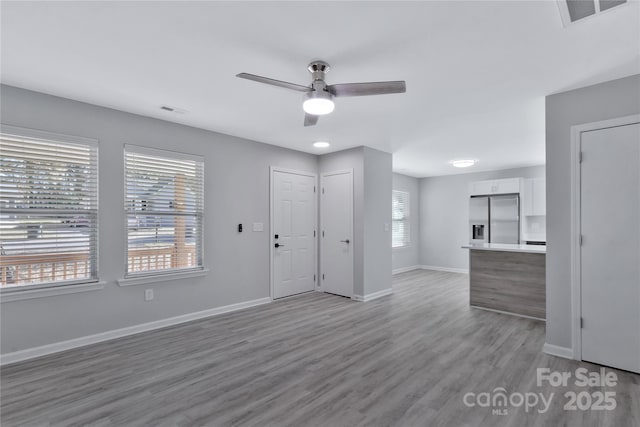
318, 97
321, 144
465, 163
318, 103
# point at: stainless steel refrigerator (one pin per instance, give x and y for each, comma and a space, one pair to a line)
494, 219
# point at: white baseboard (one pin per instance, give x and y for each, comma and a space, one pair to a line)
369, 297
31, 353
405, 269
556, 350
449, 269
524, 316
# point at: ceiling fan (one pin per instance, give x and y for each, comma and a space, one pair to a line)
318, 97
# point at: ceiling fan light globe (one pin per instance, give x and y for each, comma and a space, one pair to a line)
318, 104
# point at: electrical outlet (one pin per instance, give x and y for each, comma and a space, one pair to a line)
386, 226
148, 294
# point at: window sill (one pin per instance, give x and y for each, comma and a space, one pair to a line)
132, 281
25, 294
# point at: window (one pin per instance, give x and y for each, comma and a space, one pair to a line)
576, 10
164, 203
48, 209
400, 218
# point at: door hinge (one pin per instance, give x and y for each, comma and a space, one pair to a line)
580, 157
580, 240
322, 276
314, 277
314, 233
322, 190
322, 233
314, 188
581, 322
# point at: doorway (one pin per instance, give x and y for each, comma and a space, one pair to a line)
606, 276
336, 241
293, 232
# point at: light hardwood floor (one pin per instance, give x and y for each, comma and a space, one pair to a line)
407, 359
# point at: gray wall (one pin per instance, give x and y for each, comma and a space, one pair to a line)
444, 214
603, 101
409, 256
236, 191
377, 215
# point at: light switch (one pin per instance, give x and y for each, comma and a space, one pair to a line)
386, 226
258, 226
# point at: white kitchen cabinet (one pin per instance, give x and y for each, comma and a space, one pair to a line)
534, 197
481, 187
507, 186
495, 186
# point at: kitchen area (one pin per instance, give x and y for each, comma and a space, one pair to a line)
507, 223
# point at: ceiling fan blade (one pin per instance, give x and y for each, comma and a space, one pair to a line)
274, 82
310, 119
364, 89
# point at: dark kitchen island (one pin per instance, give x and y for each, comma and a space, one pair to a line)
508, 278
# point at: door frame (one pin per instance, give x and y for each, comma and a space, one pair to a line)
272, 171
350, 171
576, 224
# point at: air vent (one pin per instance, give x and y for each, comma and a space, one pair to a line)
172, 109
575, 10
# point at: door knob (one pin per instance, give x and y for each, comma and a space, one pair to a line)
278, 245
345, 241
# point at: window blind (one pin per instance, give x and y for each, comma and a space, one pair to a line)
48, 208
400, 218
164, 203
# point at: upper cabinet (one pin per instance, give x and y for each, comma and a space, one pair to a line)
495, 186
534, 201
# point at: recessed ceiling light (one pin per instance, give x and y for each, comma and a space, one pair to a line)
464, 163
321, 144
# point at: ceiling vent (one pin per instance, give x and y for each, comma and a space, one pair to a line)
575, 10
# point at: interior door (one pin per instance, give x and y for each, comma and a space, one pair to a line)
337, 233
610, 251
293, 240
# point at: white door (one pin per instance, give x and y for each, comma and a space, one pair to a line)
293, 233
610, 263
337, 233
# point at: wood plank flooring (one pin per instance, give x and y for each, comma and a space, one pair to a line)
407, 359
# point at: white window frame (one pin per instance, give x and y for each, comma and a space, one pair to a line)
566, 16
58, 287
144, 277
406, 220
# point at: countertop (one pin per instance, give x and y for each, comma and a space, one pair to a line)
506, 247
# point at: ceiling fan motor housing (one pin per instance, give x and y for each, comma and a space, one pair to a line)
318, 69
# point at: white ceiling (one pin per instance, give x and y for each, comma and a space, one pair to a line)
477, 72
